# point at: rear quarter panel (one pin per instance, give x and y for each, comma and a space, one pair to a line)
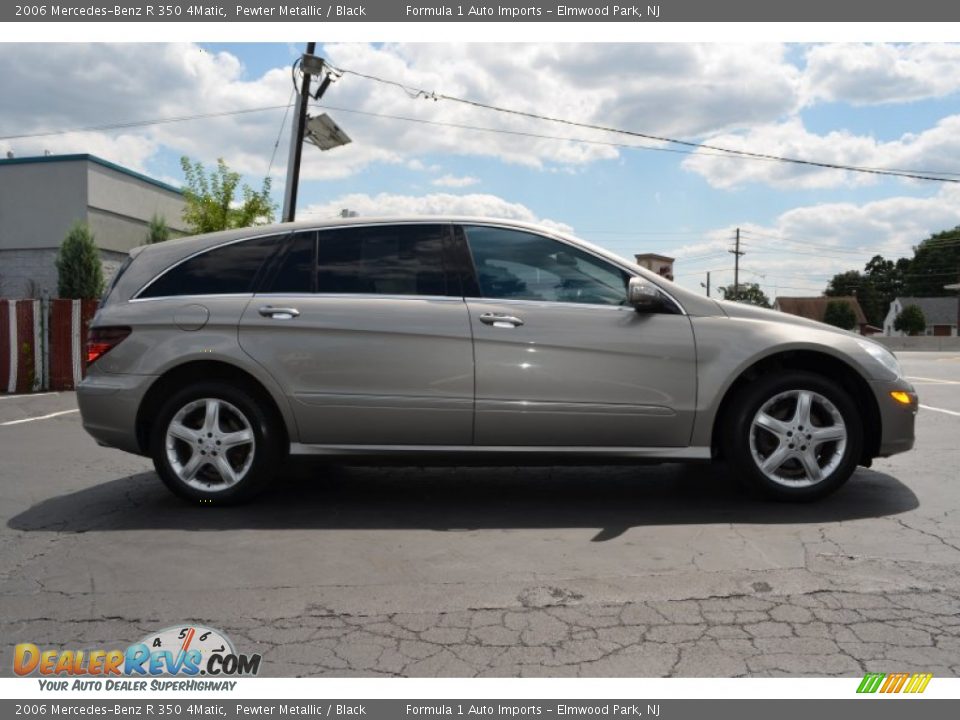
166, 335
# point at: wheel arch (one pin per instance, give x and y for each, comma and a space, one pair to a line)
820, 363
196, 371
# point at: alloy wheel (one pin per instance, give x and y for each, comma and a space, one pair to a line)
210, 444
798, 438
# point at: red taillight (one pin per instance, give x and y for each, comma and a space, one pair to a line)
102, 340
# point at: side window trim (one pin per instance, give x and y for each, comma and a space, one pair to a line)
268, 273
462, 263
191, 256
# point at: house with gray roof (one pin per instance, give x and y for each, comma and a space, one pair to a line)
941, 314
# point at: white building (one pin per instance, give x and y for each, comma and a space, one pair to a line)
939, 312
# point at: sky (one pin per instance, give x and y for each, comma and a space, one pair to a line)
867, 105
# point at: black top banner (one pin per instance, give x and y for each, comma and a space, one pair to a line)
509, 11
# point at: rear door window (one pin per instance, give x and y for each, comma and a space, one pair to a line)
225, 270
385, 260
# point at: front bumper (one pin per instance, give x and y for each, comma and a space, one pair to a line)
897, 419
108, 406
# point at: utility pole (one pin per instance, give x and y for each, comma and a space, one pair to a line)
296, 145
708, 283
737, 252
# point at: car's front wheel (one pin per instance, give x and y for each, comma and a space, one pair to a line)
213, 443
794, 435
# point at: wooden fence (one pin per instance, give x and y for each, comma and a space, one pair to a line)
43, 343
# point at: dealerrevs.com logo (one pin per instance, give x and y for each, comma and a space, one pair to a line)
888, 683
186, 650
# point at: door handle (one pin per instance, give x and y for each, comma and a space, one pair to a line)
279, 313
500, 320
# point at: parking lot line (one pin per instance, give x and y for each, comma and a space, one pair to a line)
934, 380
26, 395
941, 410
43, 417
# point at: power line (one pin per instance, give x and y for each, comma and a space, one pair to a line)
145, 123
804, 243
276, 145
930, 242
504, 131
700, 257
415, 92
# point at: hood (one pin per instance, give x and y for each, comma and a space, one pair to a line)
752, 312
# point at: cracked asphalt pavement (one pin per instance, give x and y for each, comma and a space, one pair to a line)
663, 570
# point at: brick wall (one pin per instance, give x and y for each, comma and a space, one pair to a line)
27, 273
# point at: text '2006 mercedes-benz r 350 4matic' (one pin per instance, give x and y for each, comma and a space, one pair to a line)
465, 340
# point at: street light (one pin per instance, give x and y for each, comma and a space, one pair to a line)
320, 131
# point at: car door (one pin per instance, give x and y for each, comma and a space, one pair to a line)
561, 360
368, 334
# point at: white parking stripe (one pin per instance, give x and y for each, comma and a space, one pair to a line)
26, 395
948, 412
934, 380
44, 417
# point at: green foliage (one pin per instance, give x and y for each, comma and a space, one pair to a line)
910, 320
875, 288
211, 199
747, 293
79, 272
936, 262
157, 230
840, 314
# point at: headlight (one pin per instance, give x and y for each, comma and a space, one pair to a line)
883, 356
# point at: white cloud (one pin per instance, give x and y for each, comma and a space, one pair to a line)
682, 89
54, 87
740, 95
930, 151
805, 246
474, 204
453, 181
889, 226
862, 74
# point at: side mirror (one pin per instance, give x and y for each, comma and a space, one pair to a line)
643, 296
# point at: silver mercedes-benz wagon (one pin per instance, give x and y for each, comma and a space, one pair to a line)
462, 340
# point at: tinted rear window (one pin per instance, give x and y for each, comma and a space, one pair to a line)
224, 270
383, 260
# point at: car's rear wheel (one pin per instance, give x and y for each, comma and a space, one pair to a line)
794, 435
213, 443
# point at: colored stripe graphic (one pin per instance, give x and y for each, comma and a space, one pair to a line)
894, 683
871, 682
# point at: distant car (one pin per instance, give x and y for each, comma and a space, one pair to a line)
465, 340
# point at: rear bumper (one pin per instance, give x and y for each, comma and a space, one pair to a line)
896, 419
108, 406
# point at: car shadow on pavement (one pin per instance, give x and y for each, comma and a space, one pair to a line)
611, 499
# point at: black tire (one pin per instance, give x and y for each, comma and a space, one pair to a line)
238, 405
747, 446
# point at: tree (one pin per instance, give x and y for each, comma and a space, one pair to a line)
157, 230
875, 288
910, 320
748, 293
936, 262
79, 272
840, 314
211, 202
